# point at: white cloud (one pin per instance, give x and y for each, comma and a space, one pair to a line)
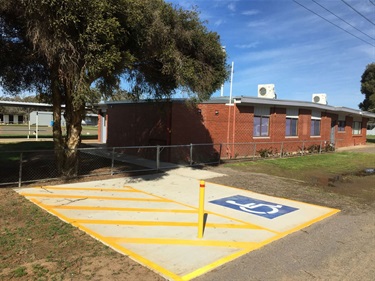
247, 46
232, 7
250, 12
219, 22
256, 23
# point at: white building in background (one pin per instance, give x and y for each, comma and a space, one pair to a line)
45, 118
371, 128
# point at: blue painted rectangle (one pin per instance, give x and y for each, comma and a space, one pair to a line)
253, 206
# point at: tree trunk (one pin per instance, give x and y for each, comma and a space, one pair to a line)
73, 117
66, 152
58, 140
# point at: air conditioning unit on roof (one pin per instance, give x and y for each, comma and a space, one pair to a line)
266, 91
319, 98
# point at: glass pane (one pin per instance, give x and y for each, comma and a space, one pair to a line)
287, 127
294, 124
256, 128
264, 127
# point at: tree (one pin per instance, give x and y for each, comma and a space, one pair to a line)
62, 48
368, 88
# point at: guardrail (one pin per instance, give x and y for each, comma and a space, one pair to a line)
18, 167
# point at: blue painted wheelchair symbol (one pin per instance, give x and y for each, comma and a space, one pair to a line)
253, 206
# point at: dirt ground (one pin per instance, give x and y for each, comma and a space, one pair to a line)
37, 246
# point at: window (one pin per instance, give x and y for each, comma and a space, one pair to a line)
261, 126
356, 128
291, 124
341, 126
315, 128
261, 122
291, 127
315, 123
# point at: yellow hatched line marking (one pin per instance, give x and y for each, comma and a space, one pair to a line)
153, 210
215, 243
165, 223
91, 197
84, 188
208, 212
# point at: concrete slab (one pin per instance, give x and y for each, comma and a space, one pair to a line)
154, 218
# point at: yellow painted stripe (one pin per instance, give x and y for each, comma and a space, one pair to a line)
85, 188
93, 208
208, 212
218, 263
214, 243
163, 271
91, 197
114, 246
164, 223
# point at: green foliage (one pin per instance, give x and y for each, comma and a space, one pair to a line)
265, 152
61, 48
368, 88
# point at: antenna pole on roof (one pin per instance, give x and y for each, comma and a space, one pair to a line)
222, 90
231, 83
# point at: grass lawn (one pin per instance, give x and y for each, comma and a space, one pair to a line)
22, 131
297, 168
370, 139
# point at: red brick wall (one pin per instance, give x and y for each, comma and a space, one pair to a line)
277, 124
137, 124
347, 138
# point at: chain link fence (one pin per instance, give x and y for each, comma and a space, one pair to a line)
17, 168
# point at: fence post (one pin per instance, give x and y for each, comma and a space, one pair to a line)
20, 171
320, 147
281, 149
113, 161
191, 154
303, 147
220, 149
158, 157
255, 149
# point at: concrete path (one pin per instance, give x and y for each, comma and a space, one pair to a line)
154, 218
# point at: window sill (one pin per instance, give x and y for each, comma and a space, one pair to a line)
265, 138
291, 137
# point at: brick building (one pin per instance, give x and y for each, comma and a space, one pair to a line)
246, 120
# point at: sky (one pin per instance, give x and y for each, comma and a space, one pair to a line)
280, 42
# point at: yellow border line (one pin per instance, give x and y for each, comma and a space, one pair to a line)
209, 267
215, 243
166, 223
140, 259
84, 189
91, 197
93, 208
229, 258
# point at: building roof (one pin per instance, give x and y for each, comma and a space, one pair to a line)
293, 103
250, 101
25, 104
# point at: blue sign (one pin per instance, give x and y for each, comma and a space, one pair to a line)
253, 206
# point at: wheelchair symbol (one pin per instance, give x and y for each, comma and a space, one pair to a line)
249, 207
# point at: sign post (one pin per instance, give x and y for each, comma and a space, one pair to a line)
201, 209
